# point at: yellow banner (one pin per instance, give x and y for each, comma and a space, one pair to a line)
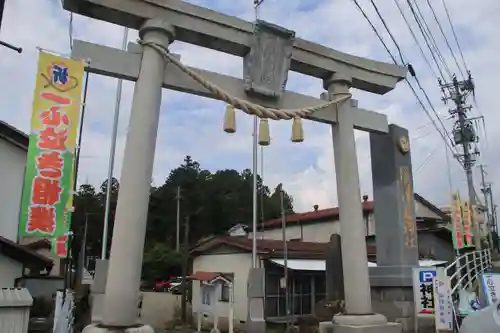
58, 86
456, 217
466, 211
48, 185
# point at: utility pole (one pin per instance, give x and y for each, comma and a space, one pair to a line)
464, 135
177, 230
486, 190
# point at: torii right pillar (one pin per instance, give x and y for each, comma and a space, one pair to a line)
359, 317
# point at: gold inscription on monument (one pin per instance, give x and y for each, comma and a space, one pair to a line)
409, 223
404, 145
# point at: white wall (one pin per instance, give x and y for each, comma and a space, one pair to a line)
311, 232
9, 271
237, 263
12, 164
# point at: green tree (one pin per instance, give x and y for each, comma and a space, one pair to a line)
214, 201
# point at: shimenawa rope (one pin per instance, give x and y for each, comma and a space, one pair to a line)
245, 106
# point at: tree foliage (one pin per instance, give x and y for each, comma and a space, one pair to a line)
214, 201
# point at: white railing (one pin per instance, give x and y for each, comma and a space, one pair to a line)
466, 268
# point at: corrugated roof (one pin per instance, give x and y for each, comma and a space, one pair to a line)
15, 297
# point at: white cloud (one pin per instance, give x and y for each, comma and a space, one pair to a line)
192, 125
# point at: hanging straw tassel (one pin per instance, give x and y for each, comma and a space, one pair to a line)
230, 120
297, 130
264, 137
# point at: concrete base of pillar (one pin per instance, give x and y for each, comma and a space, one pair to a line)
255, 326
98, 329
375, 323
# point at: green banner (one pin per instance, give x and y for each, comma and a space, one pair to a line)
47, 199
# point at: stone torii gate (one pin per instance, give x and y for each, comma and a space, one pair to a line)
160, 22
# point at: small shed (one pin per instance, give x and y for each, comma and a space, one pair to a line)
15, 304
216, 292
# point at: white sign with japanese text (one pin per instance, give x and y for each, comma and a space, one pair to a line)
423, 294
442, 300
491, 287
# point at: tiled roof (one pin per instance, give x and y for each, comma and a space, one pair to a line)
203, 276
38, 244
23, 254
268, 246
318, 215
13, 135
330, 214
210, 276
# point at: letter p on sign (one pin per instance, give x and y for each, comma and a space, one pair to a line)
426, 276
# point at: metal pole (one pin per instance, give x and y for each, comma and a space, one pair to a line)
262, 178
185, 271
178, 222
112, 155
285, 253
80, 131
81, 259
68, 260
254, 196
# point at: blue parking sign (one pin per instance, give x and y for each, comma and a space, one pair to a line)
426, 276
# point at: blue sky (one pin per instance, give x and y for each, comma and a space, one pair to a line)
193, 125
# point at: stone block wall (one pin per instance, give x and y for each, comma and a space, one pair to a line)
396, 303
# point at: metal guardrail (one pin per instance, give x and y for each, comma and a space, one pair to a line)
466, 268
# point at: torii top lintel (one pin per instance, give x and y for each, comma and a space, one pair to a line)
204, 27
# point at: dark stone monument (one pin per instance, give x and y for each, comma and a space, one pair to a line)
334, 303
395, 227
334, 275
394, 208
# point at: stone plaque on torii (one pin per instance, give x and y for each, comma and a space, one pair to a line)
160, 22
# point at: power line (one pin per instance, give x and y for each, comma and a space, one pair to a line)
454, 34
375, 30
428, 37
389, 32
445, 38
452, 148
431, 37
410, 85
415, 39
427, 159
401, 56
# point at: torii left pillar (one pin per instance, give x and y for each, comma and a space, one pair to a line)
125, 263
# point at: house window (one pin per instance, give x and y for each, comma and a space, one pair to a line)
224, 292
205, 297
